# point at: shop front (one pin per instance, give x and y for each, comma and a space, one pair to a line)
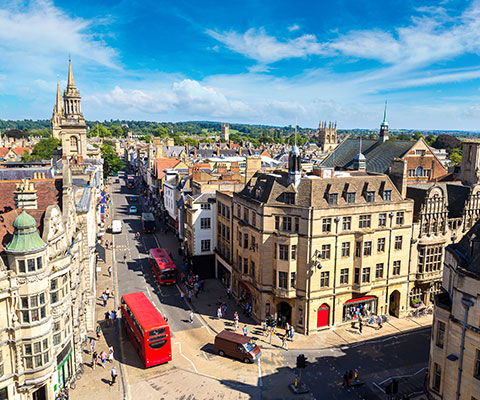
224, 273
245, 297
361, 305
64, 366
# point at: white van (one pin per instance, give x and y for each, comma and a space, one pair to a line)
116, 226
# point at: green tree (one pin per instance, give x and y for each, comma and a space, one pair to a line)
456, 156
43, 150
111, 162
417, 136
430, 139
116, 131
147, 138
404, 136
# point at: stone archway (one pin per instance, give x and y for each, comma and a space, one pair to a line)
284, 310
394, 304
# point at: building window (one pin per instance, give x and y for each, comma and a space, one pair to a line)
297, 224
324, 279
411, 173
347, 223
227, 214
292, 280
277, 222
283, 252
21, 266
327, 225
254, 219
300, 316
396, 267
239, 211
245, 266
430, 259
381, 245
239, 237
58, 289
346, 249
400, 217
36, 354
205, 245
382, 219
437, 377
32, 308
245, 214
366, 275
205, 206
387, 195
356, 276
289, 198
31, 265
379, 271
294, 251
325, 254
245, 240
364, 221
287, 224
370, 196
440, 334
2, 371
476, 371
253, 242
398, 242
205, 223
358, 249
344, 276
420, 152
333, 199
367, 249
350, 197
282, 280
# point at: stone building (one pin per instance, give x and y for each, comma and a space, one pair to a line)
327, 136
313, 248
225, 132
223, 251
454, 365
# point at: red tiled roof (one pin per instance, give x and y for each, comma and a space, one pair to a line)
20, 150
161, 164
3, 151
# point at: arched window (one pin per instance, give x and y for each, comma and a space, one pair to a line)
74, 144
419, 171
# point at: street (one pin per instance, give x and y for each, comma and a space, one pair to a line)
196, 372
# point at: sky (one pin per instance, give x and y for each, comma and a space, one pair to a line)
261, 62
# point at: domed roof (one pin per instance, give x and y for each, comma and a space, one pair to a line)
360, 156
25, 236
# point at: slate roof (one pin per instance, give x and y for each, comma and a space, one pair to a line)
313, 191
173, 151
466, 250
8, 174
204, 198
379, 155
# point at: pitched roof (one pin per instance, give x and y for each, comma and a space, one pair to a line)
379, 155
20, 150
160, 164
7, 174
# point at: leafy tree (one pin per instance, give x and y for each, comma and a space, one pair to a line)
430, 139
417, 136
191, 141
178, 141
447, 142
111, 162
147, 138
116, 131
404, 136
456, 156
43, 150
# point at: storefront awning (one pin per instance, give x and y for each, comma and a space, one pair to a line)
360, 299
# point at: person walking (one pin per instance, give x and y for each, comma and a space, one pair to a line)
228, 293
113, 374
94, 360
219, 312
345, 380
350, 377
182, 296
125, 258
107, 318
92, 345
292, 333
284, 342
245, 330
99, 331
360, 325
224, 310
379, 322
113, 316
110, 271
191, 317
236, 319
110, 354
103, 358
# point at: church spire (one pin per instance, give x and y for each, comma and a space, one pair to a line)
294, 163
59, 104
71, 82
384, 136
385, 114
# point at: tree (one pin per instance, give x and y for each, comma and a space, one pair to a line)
404, 136
430, 139
147, 138
43, 150
417, 136
456, 156
447, 142
111, 162
116, 131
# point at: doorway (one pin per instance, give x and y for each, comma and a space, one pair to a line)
284, 313
394, 304
40, 394
323, 315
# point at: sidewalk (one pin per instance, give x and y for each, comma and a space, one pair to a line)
96, 383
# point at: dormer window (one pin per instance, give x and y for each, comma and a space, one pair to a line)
333, 199
351, 198
289, 198
370, 196
387, 195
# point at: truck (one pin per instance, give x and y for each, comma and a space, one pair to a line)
148, 221
130, 182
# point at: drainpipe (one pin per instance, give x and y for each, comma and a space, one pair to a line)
337, 220
467, 303
309, 272
387, 300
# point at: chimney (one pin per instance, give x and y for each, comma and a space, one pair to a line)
398, 175
253, 164
323, 172
25, 195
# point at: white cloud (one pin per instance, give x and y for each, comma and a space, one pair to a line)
258, 45
294, 27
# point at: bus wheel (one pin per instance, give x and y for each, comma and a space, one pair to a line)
221, 353
246, 360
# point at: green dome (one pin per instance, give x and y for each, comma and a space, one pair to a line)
25, 236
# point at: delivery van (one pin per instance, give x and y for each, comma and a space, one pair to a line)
237, 346
116, 226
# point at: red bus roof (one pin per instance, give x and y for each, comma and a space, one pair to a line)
143, 309
160, 253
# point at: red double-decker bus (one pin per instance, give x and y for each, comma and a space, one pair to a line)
146, 328
130, 182
163, 267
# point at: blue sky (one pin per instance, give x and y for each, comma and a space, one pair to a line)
265, 62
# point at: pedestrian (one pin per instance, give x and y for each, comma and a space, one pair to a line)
245, 330
190, 296
110, 354
219, 313
350, 377
360, 325
284, 342
110, 271
104, 298
292, 333
85, 338
106, 244
379, 322
94, 359
345, 380
114, 375
125, 258
107, 318
99, 331
113, 317
191, 317
92, 345
355, 374
228, 293
224, 309
107, 293
196, 289
103, 358
182, 296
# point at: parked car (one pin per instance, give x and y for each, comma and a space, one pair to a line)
133, 209
133, 199
237, 346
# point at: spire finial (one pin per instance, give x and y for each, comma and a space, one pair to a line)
71, 82
385, 112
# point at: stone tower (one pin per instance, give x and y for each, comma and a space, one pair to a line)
67, 121
470, 164
226, 132
383, 137
327, 136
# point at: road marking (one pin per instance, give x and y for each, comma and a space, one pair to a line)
260, 380
185, 357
